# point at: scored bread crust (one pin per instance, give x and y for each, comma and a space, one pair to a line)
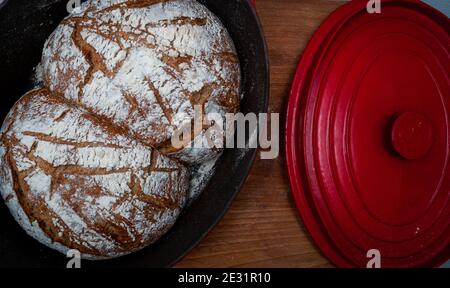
143, 65
73, 181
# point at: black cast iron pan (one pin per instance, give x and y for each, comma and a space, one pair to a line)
24, 27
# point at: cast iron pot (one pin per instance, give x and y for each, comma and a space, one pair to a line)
24, 27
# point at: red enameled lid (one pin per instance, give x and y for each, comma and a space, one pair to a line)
368, 135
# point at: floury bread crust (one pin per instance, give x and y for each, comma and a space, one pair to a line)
72, 180
81, 161
143, 65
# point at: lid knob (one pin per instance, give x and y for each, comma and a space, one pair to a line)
412, 135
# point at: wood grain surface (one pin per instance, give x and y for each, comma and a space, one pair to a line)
262, 227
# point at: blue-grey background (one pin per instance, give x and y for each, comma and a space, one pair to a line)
443, 5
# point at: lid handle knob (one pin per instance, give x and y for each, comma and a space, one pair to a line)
412, 135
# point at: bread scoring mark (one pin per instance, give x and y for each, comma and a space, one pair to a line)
57, 172
130, 4
47, 97
62, 115
113, 128
168, 113
135, 107
181, 20
138, 192
54, 140
51, 170
200, 98
94, 59
117, 230
175, 62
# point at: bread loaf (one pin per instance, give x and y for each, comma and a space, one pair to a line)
74, 181
143, 65
87, 162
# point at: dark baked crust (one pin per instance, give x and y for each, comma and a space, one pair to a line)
81, 162
176, 54
84, 184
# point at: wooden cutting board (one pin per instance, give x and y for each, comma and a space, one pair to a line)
262, 227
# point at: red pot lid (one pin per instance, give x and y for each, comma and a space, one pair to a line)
368, 135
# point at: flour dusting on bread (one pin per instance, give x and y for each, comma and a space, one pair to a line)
85, 159
82, 184
145, 67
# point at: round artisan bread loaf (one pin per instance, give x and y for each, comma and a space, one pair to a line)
144, 65
74, 181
